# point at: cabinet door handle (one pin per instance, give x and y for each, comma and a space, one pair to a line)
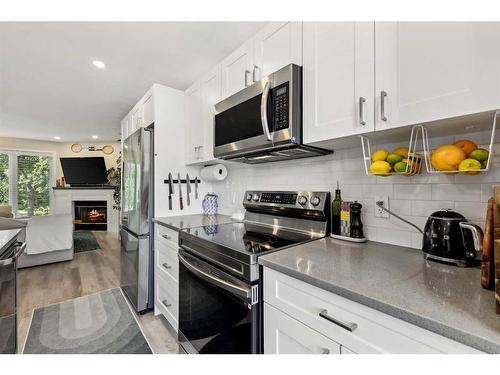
346, 325
166, 236
383, 95
166, 266
247, 73
325, 351
255, 68
164, 302
361, 105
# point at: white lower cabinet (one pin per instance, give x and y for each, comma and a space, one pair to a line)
285, 335
309, 315
166, 275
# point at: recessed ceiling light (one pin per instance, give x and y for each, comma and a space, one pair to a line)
95, 136
56, 137
98, 64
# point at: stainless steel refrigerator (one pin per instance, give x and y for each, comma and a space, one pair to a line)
137, 209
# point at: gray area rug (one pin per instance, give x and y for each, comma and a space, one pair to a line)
84, 240
100, 323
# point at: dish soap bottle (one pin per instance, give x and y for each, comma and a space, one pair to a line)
336, 203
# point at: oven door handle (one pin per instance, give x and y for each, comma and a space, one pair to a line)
224, 284
21, 246
263, 110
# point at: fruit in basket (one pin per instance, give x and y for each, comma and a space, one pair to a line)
466, 145
403, 151
447, 158
400, 167
394, 158
469, 166
380, 167
380, 155
480, 154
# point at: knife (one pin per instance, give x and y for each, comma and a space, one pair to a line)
188, 190
170, 190
196, 187
180, 191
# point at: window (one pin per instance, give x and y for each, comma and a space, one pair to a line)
4, 178
25, 181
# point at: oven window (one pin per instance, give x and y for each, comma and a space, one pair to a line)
213, 320
241, 122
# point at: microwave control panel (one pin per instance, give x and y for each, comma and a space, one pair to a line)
281, 106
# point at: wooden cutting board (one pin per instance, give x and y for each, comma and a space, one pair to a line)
496, 219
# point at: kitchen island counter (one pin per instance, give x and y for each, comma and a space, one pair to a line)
396, 280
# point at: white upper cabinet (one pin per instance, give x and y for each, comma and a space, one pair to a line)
338, 79
275, 46
210, 95
193, 133
433, 70
237, 70
148, 111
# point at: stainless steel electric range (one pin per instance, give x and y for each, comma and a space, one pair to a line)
220, 295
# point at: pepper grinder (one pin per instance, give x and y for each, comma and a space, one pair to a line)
356, 224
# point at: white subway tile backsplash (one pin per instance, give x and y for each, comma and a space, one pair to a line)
415, 198
425, 208
457, 192
471, 210
413, 191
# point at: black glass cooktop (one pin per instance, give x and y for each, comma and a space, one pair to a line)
249, 238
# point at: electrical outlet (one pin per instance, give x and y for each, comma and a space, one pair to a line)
380, 212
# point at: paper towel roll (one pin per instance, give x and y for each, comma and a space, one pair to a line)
213, 173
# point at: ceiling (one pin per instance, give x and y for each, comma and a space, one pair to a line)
49, 87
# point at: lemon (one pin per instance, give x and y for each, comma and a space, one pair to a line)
380, 167
469, 166
380, 155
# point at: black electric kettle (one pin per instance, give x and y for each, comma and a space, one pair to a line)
450, 238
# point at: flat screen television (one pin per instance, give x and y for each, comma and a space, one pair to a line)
84, 171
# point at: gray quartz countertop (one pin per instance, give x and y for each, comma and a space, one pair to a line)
7, 237
191, 221
445, 299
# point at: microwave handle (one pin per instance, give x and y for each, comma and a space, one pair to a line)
263, 110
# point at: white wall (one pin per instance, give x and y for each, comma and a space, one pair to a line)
169, 154
60, 149
412, 197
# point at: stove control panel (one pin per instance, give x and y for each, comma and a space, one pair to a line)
278, 198
297, 200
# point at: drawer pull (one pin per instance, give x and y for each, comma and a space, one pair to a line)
166, 266
325, 351
346, 325
164, 302
166, 236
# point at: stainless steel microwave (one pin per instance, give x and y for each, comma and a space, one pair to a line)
263, 122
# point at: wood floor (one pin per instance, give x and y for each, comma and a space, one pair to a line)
89, 272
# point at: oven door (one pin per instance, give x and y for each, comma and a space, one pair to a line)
218, 313
260, 117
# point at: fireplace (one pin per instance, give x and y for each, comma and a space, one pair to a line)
91, 215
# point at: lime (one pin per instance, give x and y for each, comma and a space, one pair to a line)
394, 158
479, 154
400, 167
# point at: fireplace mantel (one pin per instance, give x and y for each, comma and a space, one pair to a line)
64, 199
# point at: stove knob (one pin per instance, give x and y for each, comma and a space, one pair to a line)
255, 197
315, 200
249, 197
302, 200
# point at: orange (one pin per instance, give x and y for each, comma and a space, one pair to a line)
403, 151
466, 145
447, 158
